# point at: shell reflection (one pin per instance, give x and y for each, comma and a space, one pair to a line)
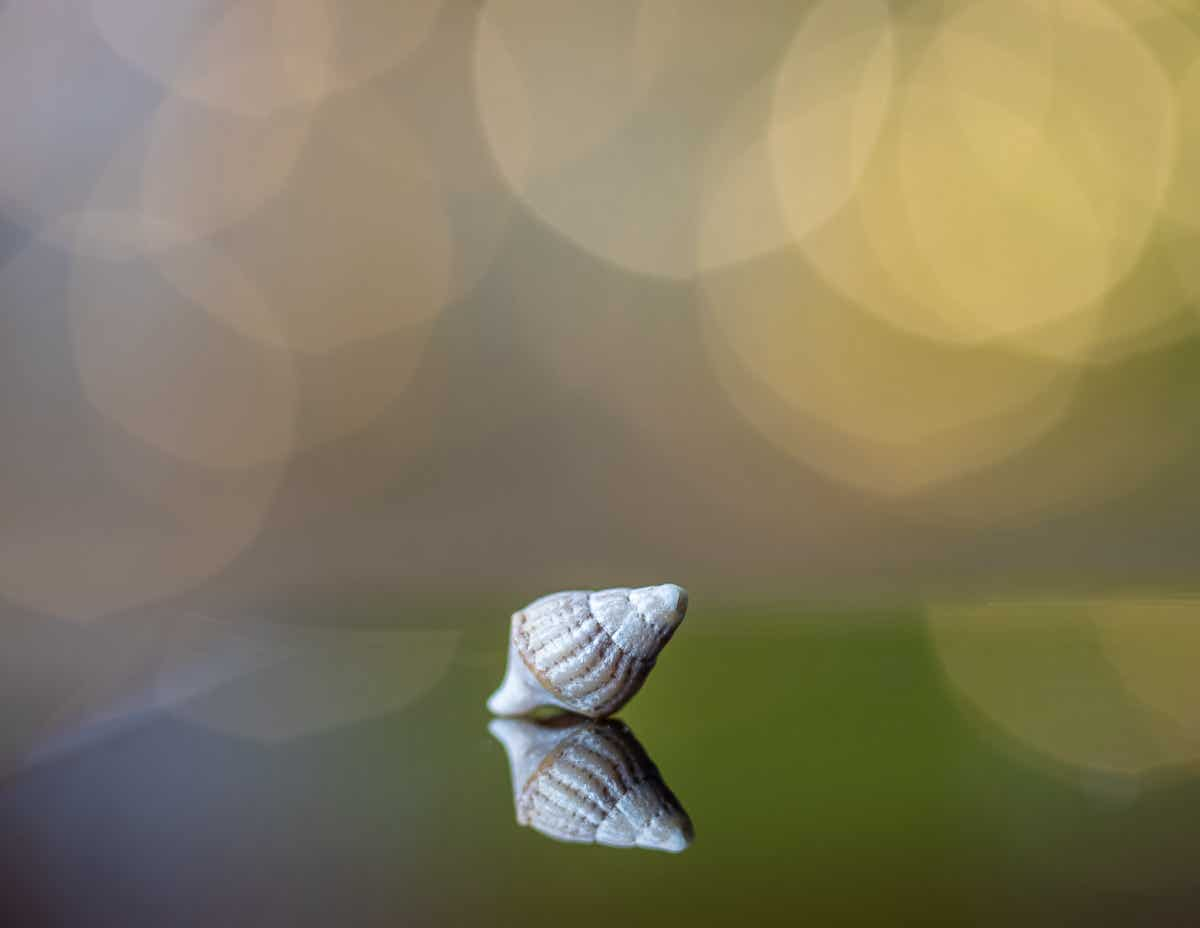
590, 782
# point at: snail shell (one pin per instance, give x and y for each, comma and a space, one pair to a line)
590, 782
587, 652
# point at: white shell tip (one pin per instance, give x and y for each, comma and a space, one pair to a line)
671, 833
664, 604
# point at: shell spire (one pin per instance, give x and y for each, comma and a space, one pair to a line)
590, 782
586, 651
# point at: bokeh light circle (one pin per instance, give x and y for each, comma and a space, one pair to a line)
258, 58
832, 94
1017, 184
365, 205
601, 123
152, 356
792, 151
1183, 204
65, 105
275, 683
203, 170
99, 520
859, 401
356, 259
550, 86
1087, 686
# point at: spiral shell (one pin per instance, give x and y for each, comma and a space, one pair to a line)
590, 782
587, 652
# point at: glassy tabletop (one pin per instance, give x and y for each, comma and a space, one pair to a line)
975, 764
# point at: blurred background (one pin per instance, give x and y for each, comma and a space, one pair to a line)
847, 297
331, 332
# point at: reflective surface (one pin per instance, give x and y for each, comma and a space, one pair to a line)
921, 766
